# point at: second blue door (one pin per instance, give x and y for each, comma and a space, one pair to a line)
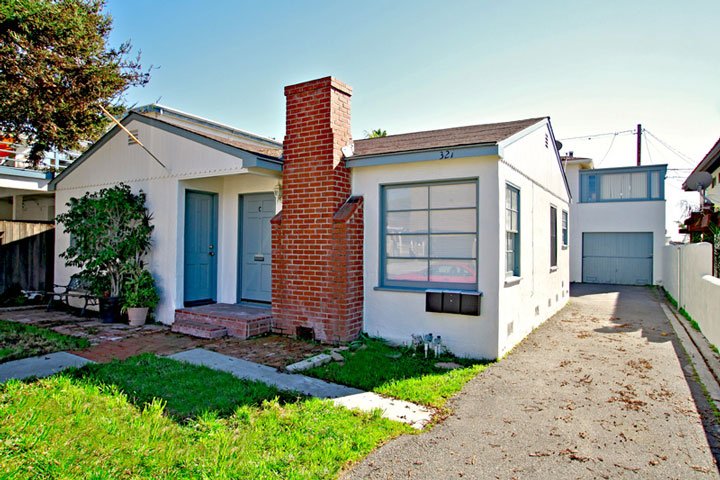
200, 248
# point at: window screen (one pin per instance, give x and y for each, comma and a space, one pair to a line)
430, 235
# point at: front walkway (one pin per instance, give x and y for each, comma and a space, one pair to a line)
121, 341
597, 391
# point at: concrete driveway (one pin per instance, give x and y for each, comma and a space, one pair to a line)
598, 391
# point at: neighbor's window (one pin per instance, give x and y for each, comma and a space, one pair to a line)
553, 236
622, 184
565, 228
512, 231
429, 233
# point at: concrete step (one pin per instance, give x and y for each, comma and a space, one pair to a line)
199, 329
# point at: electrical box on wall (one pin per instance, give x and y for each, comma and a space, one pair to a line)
453, 301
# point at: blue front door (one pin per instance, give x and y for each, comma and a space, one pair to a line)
256, 247
200, 248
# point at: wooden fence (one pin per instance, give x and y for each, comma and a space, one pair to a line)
28, 262
13, 230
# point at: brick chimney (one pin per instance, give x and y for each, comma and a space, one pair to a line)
317, 239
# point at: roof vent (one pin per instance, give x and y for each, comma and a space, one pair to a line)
132, 141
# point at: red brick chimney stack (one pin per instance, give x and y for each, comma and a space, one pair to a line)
318, 236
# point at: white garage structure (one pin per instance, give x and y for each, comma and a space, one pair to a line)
617, 223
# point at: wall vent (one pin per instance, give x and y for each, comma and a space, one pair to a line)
510, 328
130, 139
547, 141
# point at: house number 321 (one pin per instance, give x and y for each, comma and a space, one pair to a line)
446, 154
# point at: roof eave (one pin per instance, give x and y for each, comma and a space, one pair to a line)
250, 159
426, 154
709, 164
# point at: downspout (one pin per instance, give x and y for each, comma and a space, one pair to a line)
679, 264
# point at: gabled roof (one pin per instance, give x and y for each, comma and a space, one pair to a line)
252, 155
709, 163
491, 133
188, 117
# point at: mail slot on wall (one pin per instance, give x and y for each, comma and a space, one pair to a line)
453, 301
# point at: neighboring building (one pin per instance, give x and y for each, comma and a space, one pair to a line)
616, 223
24, 195
388, 239
710, 164
24, 192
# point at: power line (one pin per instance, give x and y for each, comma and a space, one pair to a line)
608, 150
677, 153
590, 137
647, 148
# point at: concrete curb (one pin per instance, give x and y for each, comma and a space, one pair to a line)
698, 360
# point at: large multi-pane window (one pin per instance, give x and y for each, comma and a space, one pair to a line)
553, 236
622, 184
512, 231
429, 232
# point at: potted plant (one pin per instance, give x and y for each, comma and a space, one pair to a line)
110, 233
140, 295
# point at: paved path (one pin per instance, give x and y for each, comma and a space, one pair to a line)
352, 398
42, 366
597, 391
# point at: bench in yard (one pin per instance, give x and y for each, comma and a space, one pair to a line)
77, 288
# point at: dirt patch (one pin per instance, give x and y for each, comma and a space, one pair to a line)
121, 341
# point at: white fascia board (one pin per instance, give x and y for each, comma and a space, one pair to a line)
442, 153
519, 135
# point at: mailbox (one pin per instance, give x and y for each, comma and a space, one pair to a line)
453, 301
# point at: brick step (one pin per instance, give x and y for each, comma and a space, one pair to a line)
199, 329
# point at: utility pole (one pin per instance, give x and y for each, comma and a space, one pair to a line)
639, 136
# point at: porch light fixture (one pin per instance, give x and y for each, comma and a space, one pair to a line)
277, 191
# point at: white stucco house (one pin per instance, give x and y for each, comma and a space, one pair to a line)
616, 222
456, 232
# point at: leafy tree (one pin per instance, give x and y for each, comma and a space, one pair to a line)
110, 234
56, 69
376, 133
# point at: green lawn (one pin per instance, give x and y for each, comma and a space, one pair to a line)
188, 390
80, 427
18, 340
400, 372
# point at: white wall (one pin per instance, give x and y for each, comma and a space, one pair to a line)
396, 315
540, 292
612, 217
689, 280
191, 166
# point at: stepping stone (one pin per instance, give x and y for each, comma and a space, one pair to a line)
448, 365
309, 363
416, 416
41, 366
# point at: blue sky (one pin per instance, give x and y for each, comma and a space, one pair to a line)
593, 67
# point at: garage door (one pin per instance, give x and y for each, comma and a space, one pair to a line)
618, 258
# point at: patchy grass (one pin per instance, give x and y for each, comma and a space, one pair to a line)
18, 340
399, 372
672, 301
64, 427
687, 316
714, 349
187, 390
